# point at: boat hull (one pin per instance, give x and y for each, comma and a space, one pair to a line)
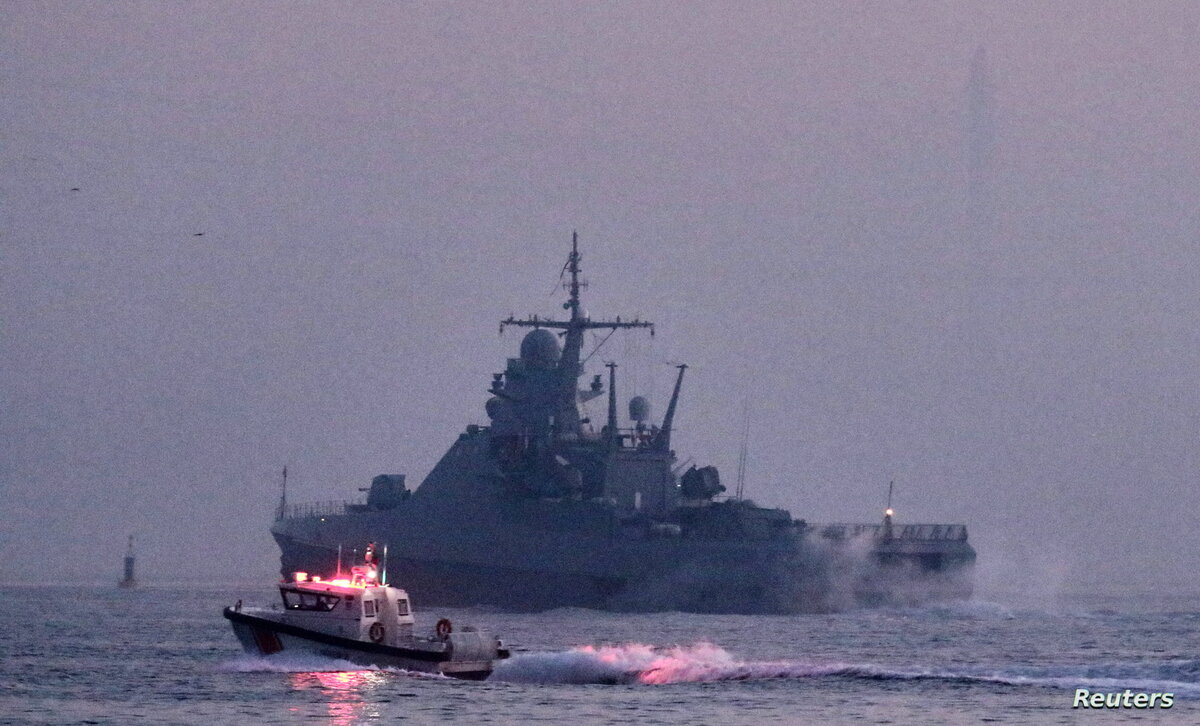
265, 636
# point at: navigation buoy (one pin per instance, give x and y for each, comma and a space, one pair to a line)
129, 581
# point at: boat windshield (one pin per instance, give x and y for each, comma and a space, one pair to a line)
293, 600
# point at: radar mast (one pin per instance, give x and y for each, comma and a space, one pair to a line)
569, 368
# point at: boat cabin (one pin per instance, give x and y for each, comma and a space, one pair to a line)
358, 607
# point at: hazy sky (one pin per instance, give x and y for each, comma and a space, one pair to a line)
781, 187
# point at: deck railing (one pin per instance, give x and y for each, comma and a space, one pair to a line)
315, 509
952, 532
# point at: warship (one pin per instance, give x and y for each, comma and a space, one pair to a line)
543, 508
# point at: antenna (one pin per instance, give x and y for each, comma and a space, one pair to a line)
282, 497
572, 304
662, 441
613, 436
741, 470
383, 566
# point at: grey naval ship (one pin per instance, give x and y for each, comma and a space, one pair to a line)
543, 508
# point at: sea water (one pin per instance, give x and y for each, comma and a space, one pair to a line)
164, 655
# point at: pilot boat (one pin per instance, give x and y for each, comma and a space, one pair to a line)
365, 621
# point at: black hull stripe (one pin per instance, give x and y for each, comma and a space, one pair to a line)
335, 640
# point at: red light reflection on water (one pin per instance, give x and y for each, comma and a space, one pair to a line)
342, 690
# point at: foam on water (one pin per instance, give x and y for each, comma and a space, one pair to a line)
705, 662
629, 663
958, 609
307, 663
289, 663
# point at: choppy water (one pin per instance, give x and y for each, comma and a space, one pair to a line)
166, 656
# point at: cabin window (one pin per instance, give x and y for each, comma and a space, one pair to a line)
293, 600
369, 608
402, 607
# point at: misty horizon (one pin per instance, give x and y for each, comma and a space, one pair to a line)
947, 245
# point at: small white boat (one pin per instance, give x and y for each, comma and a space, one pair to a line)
363, 621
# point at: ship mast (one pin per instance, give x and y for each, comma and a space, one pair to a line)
566, 410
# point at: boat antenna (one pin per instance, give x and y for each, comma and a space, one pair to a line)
383, 566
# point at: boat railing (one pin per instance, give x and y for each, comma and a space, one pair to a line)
307, 510
917, 532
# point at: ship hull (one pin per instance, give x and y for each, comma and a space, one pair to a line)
535, 568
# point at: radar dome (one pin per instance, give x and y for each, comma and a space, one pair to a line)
639, 408
493, 406
540, 348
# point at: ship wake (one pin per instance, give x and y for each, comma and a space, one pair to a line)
704, 662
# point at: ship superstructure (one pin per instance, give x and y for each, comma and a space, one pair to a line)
544, 508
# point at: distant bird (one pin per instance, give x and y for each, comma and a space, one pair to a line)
74, 189
198, 234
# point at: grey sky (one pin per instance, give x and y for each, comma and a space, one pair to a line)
782, 187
